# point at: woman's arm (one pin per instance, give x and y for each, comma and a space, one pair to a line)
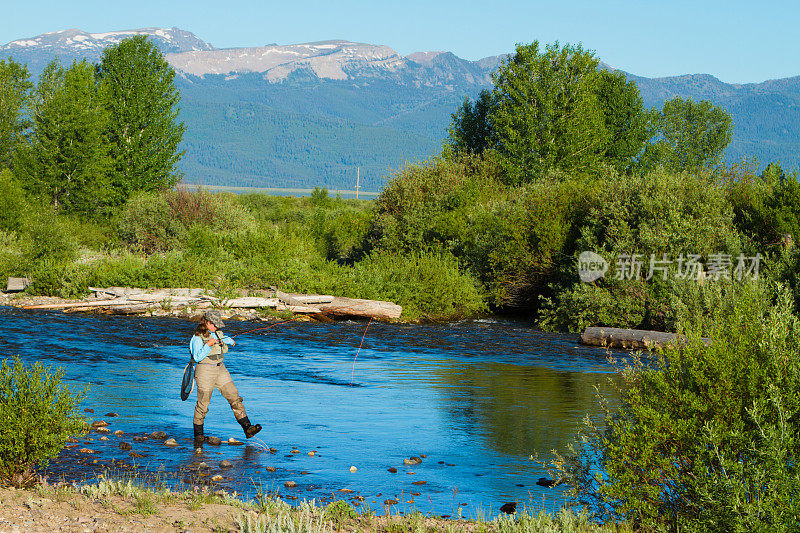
198, 349
228, 340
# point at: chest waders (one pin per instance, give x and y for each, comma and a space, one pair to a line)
210, 374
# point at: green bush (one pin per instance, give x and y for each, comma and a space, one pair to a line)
146, 223
656, 214
48, 236
37, 416
425, 205
51, 277
173, 269
705, 438
427, 284
220, 211
339, 232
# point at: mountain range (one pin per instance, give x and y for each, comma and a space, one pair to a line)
319, 113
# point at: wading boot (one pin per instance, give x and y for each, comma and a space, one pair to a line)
249, 429
199, 437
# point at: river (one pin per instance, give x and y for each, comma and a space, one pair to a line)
476, 398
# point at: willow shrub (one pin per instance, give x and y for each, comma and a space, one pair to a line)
659, 213
427, 284
706, 438
37, 416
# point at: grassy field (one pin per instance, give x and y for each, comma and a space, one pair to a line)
365, 195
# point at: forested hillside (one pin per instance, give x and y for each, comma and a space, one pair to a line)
301, 127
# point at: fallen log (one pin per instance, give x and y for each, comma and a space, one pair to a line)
251, 302
123, 300
362, 308
637, 339
93, 303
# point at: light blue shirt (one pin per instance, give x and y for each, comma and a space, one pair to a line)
200, 349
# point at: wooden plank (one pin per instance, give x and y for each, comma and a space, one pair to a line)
637, 339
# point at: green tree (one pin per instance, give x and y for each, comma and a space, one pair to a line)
66, 161
144, 130
470, 129
547, 114
625, 120
15, 88
689, 135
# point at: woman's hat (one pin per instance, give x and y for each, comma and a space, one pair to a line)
215, 317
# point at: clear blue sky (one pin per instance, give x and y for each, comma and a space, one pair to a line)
737, 41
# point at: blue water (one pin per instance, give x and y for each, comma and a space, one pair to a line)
477, 398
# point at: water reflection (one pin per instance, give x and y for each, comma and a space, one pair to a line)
518, 410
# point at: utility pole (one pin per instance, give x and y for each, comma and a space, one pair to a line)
358, 180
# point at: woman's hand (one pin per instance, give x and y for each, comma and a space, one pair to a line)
211, 342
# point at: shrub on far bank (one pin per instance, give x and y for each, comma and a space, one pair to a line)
427, 284
37, 416
146, 223
656, 214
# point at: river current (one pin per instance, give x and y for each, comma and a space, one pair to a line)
477, 399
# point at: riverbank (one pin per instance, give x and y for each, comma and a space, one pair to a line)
122, 505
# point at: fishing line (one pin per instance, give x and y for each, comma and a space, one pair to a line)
359, 349
268, 327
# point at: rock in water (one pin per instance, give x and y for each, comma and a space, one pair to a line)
393, 470
214, 441
353, 469
125, 446
509, 508
217, 478
99, 423
234, 442
171, 443
119, 432
158, 435
544, 482
271, 469
290, 484
225, 464
111, 415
